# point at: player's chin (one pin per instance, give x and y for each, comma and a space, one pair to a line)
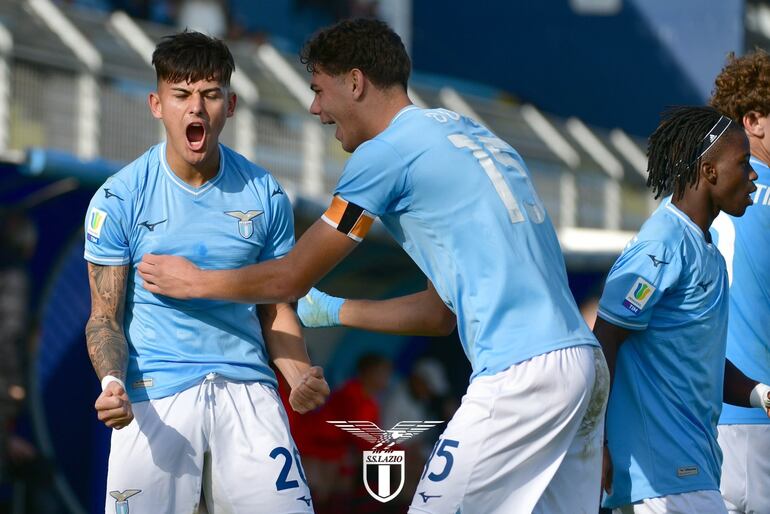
739, 208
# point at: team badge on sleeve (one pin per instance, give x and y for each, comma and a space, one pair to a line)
348, 218
96, 219
638, 295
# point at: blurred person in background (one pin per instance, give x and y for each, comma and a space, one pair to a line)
742, 92
21, 463
422, 395
17, 243
332, 457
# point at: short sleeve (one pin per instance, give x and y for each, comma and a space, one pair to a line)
637, 281
280, 233
374, 178
107, 225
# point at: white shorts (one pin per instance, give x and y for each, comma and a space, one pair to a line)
745, 468
695, 502
528, 439
229, 438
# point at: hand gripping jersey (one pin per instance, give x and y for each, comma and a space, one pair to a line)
745, 245
240, 217
461, 203
669, 287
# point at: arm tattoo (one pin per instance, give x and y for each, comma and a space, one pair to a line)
105, 339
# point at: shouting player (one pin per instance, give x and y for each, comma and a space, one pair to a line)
461, 203
662, 322
188, 383
743, 92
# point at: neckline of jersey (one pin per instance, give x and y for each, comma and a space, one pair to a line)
688, 222
195, 191
410, 107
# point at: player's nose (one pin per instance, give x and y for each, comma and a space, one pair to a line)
315, 108
195, 105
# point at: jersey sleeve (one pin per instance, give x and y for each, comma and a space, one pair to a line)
107, 225
636, 283
374, 178
280, 235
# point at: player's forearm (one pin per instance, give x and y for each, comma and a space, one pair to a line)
284, 341
416, 314
107, 347
267, 282
105, 339
737, 386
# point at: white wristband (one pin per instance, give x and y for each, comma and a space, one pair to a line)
109, 378
758, 397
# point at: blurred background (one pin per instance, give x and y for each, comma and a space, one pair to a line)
575, 86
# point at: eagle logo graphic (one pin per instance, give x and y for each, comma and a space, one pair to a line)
121, 499
383, 440
245, 223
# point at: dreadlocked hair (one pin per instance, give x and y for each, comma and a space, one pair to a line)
673, 156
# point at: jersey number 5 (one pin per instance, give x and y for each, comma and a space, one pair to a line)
487, 150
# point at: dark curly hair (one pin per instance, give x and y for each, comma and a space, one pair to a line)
191, 56
369, 45
743, 85
675, 149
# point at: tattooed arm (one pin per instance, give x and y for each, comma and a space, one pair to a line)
106, 341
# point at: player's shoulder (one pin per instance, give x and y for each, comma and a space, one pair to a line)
257, 179
666, 226
132, 177
238, 165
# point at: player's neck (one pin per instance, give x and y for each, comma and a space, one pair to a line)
387, 106
699, 209
193, 174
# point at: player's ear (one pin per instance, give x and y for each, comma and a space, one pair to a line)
232, 100
357, 83
153, 100
754, 123
708, 171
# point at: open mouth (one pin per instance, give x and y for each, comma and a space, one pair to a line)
196, 135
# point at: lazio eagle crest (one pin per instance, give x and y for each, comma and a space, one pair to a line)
245, 223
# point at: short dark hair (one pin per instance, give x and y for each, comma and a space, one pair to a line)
370, 361
743, 85
191, 56
675, 149
369, 45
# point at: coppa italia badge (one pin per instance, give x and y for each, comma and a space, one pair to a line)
383, 466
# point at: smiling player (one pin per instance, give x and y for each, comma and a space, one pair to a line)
188, 383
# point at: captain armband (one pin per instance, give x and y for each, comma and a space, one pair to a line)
350, 219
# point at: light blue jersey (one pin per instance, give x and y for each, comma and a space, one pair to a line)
461, 203
669, 287
745, 245
240, 217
